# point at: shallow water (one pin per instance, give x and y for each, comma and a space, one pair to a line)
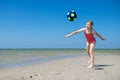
23, 57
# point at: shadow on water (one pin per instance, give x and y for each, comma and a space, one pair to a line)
101, 67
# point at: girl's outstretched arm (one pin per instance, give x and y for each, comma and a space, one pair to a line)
75, 32
102, 38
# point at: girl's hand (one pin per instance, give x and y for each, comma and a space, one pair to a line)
68, 35
102, 38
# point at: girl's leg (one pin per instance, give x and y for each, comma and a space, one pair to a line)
88, 50
92, 45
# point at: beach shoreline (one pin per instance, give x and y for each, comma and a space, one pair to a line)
25, 57
106, 68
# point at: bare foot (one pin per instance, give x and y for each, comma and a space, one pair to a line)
91, 66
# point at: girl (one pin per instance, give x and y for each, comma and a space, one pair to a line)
91, 41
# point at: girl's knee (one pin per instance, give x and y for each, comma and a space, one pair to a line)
91, 51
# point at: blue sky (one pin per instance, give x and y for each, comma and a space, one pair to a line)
43, 23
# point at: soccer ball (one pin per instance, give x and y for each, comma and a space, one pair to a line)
71, 15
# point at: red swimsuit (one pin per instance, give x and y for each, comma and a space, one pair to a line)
90, 38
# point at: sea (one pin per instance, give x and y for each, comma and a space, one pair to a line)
10, 58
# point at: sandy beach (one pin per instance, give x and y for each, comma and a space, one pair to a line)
107, 67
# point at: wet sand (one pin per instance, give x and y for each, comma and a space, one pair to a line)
107, 67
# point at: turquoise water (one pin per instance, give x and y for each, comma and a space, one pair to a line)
23, 57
